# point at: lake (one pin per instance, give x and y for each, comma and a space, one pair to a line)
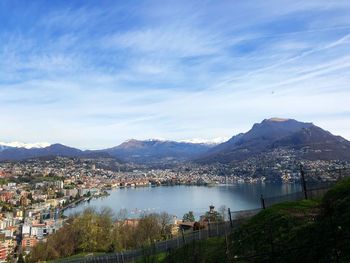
177, 200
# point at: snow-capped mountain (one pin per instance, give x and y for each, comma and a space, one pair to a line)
21, 153
217, 140
6, 145
154, 150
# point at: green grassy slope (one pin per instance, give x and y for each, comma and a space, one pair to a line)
212, 250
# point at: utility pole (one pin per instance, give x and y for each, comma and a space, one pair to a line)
208, 228
302, 173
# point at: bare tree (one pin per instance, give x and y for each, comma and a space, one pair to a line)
165, 221
223, 212
122, 214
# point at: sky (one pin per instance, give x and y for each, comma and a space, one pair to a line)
92, 74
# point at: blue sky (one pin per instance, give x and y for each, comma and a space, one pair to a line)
92, 74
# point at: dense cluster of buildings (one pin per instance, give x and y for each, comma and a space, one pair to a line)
282, 165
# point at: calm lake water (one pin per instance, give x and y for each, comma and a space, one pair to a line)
177, 200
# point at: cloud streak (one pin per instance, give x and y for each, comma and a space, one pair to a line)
92, 75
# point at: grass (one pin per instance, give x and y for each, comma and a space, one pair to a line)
340, 191
297, 210
76, 256
212, 250
153, 258
303, 231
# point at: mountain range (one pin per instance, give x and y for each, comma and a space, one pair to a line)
155, 151
308, 140
137, 151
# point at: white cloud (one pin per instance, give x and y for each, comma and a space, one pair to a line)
89, 78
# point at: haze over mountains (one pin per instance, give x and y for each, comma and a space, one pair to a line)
306, 139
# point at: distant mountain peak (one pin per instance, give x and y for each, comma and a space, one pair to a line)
146, 140
276, 119
21, 153
307, 140
130, 140
191, 141
156, 150
25, 145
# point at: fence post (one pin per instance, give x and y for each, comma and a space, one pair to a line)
272, 257
183, 236
208, 228
302, 173
230, 216
226, 242
262, 200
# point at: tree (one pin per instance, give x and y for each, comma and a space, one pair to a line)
188, 217
77, 197
91, 231
122, 214
38, 253
123, 236
20, 258
165, 221
30, 197
148, 230
59, 194
212, 216
96, 231
222, 211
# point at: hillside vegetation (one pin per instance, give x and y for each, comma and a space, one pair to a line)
96, 232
